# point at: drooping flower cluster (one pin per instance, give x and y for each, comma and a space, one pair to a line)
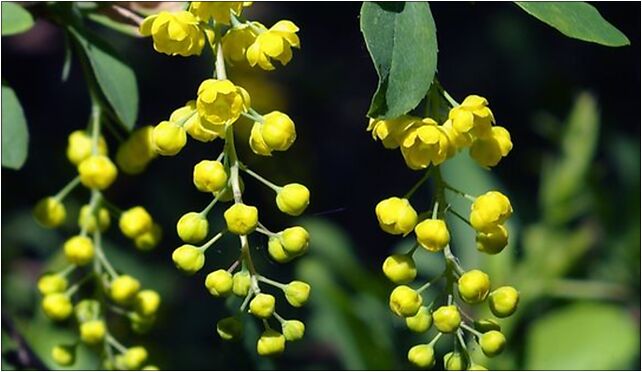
90, 289
211, 115
426, 144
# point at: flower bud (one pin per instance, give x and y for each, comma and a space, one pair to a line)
257, 144
80, 146
168, 138
405, 301
297, 293
134, 222
210, 176
276, 251
79, 250
473, 286
87, 219
134, 357
50, 212
123, 289
421, 321
490, 210
141, 324
93, 331
422, 356
432, 234
503, 301
147, 302
293, 199
52, 283
270, 343
229, 328
396, 216
278, 131
97, 172
400, 268
192, 227
446, 319
488, 151
492, 343
219, 283
493, 241
295, 240
262, 305
241, 282
188, 258
63, 355
57, 306
149, 239
241, 219
455, 361
293, 330
137, 151
87, 310
485, 325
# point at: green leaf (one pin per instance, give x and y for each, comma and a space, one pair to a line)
115, 78
15, 19
15, 136
588, 336
578, 20
121, 27
402, 41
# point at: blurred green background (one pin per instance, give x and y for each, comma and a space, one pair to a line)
573, 110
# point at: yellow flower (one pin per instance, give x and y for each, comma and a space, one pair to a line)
278, 131
79, 250
238, 39
63, 355
391, 131
192, 227
52, 283
137, 151
57, 306
492, 343
229, 328
174, 33
87, 220
147, 302
188, 258
80, 145
293, 330
168, 138
490, 210
275, 43
262, 305
134, 222
221, 102
490, 150
241, 283
405, 301
455, 361
241, 219
396, 216
123, 289
276, 251
424, 145
457, 140
196, 126
400, 268
293, 199
503, 301
219, 283
473, 286
270, 343
295, 240
297, 293
97, 172
50, 212
447, 319
473, 116
422, 356
217, 10
134, 357
257, 143
93, 331
149, 239
420, 322
492, 241
432, 234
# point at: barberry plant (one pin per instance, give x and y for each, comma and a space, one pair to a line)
219, 103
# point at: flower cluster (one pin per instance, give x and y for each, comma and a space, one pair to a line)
426, 144
89, 290
211, 115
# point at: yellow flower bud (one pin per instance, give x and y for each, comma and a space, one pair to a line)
489, 151
134, 222
241, 219
485, 325
270, 343
446, 319
210, 176
424, 145
196, 126
405, 301
93, 331
490, 210
150, 239
400, 268
293, 330
52, 283
192, 227
278, 131
493, 241
396, 216
293, 199
137, 151
80, 146
124, 289
275, 43
97, 172
297, 293
241, 282
79, 250
391, 131
219, 283
257, 143
87, 310
134, 357
422, 356
168, 138
141, 324
455, 361
221, 102
472, 117
262, 305
147, 302
295, 240
63, 355
432, 234
174, 33
473, 286
492, 343
57, 306
87, 219
229, 328
237, 40
50, 212
503, 301
421, 321
219, 11
276, 251
188, 258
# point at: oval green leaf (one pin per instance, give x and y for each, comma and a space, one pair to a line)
578, 20
402, 41
15, 136
15, 19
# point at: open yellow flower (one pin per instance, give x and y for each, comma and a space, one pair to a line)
275, 43
174, 33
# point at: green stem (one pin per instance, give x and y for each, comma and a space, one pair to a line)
271, 282
100, 254
60, 196
74, 288
470, 329
67, 270
209, 243
261, 179
458, 192
209, 207
117, 345
418, 184
95, 125
113, 208
279, 318
460, 216
435, 339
